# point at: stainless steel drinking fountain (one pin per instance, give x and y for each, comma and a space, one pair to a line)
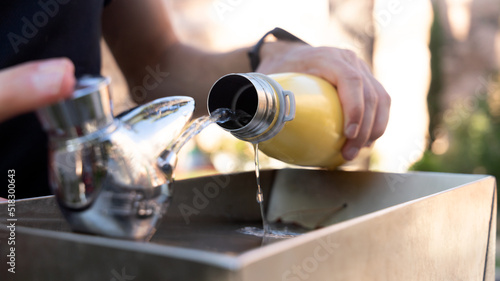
112, 178
112, 175
415, 226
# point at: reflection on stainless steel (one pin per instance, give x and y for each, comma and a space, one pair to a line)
104, 170
404, 225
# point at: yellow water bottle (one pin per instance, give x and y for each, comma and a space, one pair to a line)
294, 117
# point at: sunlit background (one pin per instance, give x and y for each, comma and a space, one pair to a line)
438, 60
449, 112
394, 37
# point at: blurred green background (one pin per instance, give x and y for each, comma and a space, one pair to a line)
465, 136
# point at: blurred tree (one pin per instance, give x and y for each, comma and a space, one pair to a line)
464, 96
469, 138
435, 88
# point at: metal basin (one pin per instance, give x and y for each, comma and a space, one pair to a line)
369, 226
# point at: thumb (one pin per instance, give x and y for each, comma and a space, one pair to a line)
28, 86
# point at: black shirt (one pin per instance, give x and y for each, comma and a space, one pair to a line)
40, 29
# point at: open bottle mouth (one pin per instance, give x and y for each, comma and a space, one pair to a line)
238, 94
260, 104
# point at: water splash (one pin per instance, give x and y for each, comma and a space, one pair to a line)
270, 233
220, 115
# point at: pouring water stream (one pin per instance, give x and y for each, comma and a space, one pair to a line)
223, 115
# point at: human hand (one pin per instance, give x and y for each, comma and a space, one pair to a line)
27, 86
364, 101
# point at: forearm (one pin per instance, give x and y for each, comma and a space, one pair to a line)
153, 60
188, 71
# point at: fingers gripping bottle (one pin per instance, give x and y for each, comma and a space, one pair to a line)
294, 117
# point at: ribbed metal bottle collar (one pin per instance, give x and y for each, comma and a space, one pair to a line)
274, 105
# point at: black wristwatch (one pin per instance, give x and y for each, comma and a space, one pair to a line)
280, 34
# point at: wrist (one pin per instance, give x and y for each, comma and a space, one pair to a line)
281, 56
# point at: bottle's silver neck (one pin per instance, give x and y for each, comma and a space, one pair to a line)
259, 96
88, 110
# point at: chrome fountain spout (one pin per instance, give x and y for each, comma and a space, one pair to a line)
111, 175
